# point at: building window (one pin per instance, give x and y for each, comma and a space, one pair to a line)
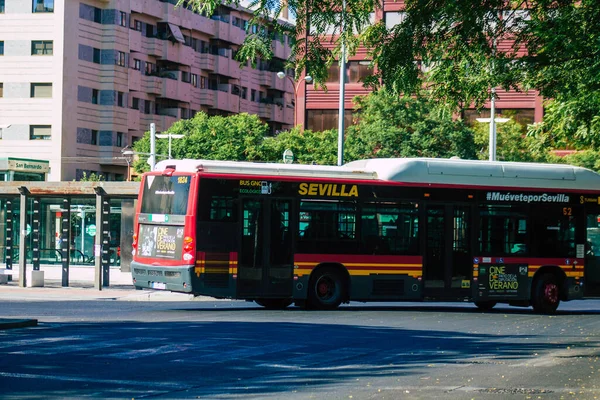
244, 94
137, 64
121, 59
97, 56
150, 68
94, 138
185, 77
137, 25
41, 90
322, 120
1, 6
120, 99
95, 95
253, 95
135, 103
194, 80
1, 89
393, 18
41, 47
119, 139
97, 15
358, 71
202, 82
43, 6
40, 132
1, 47
123, 19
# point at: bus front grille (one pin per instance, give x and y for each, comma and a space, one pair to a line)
153, 272
139, 271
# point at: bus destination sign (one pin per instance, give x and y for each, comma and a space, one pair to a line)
503, 280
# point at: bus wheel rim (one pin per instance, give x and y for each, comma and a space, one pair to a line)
551, 293
325, 288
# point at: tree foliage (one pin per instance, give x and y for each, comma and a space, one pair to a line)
512, 143
237, 137
389, 126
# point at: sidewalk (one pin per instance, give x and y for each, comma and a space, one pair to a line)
81, 287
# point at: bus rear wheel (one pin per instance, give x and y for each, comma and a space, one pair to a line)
274, 304
546, 295
485, 305
326, 290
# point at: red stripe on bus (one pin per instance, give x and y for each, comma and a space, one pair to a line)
358, 259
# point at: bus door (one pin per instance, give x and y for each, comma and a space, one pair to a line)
447, 257
265, 265
592, 253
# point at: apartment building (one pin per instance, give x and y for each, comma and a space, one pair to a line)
82, 79
321, 109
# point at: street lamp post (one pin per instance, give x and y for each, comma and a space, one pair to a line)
170, 136
295, 85
128, 154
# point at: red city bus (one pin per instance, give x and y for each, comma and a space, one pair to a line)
371, 230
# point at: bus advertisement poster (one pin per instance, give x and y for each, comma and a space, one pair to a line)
161, 241
503, 280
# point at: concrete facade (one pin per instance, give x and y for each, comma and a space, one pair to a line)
115, 66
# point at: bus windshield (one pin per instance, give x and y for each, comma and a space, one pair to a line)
165, 195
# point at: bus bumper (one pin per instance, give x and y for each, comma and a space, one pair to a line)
574, 289
173, 278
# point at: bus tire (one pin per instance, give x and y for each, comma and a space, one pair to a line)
326, 289
546, 294
274, 304
485, 305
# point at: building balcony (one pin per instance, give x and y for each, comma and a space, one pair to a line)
134, 80
206, 61
273, 112
133, 119
167, 117
229, 33
227, 102
203, 24
147, 119
154, 8
281, 50
178, 53
206, 97
135, 41
227, 67
176, 89
267, 78
137, 6
153, 46
152, 84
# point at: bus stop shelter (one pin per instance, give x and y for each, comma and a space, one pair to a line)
66, 224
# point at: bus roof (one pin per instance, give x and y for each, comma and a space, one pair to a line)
414, 170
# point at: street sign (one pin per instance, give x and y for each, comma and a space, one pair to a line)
288, 156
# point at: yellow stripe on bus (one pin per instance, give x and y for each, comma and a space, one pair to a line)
365, 272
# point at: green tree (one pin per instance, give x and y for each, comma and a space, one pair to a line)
237, 137
93, 177
309, 147
389, 126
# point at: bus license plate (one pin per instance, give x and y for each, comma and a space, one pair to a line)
158, 285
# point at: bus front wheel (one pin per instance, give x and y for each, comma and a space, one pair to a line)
545, 299
485, 305
273, 304
326, 290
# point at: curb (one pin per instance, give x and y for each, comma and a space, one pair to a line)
17, 323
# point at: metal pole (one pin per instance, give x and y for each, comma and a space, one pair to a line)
152, 159
341, 110
169, 145
492, 144
23, 238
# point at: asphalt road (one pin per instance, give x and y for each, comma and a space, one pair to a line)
231, 349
